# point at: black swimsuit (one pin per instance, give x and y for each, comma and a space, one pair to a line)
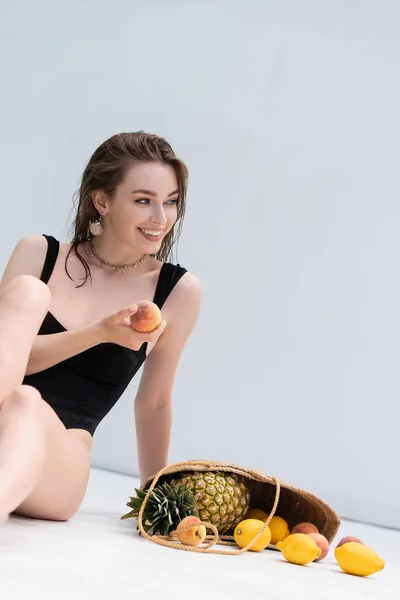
84, 388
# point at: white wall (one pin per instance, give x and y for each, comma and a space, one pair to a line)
288, 116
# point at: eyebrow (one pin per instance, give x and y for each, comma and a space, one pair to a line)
150, 193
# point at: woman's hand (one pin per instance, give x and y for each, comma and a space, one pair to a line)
117, 329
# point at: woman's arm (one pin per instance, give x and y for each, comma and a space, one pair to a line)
48, 350
28, 258
153, 406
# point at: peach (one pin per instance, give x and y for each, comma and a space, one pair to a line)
322, 544
147, 317
193, 536
305, 527
349, 538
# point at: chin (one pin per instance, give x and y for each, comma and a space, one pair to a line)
151, 246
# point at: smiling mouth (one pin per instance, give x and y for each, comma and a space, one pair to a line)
152, 235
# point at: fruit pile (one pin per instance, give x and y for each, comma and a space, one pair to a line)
183, 505
305, 544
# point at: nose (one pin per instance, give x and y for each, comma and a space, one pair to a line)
158, 216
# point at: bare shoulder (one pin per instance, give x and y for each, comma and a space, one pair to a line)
182, 306
190, 285
27, 258
32, 242
181, 312
187, 290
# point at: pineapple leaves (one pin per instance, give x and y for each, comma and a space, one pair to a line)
166, 506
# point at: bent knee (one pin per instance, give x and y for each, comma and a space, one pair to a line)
25, 397
28, 401
26, 291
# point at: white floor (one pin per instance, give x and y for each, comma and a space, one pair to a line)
96, 555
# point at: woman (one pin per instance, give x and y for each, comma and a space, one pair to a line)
57, 386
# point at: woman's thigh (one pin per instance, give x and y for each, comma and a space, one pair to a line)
63, 480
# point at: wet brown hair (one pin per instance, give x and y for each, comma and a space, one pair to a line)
106, 170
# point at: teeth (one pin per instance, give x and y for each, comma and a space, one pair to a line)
150, 232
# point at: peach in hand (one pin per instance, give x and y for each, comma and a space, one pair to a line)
193, 536
147, 317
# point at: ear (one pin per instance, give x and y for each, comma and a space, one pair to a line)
100, 202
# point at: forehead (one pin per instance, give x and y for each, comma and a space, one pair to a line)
155, 176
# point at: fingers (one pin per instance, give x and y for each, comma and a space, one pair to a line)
124, 315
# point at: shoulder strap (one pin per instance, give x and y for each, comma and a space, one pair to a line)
53, 247
169, 276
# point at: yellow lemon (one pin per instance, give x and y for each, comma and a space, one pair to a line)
278, 526
247, 530
357, 559
299, 548
257, 513
279, 529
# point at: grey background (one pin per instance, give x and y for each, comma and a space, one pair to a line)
287, 114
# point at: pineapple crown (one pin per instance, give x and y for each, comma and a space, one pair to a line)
166, 506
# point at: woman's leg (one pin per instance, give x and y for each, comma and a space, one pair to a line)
23, 306
22, 447
44, 469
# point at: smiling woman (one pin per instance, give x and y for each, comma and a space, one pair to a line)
130, 210
142, 218
156, 234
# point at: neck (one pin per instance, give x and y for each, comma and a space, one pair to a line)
114, 252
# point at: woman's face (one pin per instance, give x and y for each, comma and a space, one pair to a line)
144, 207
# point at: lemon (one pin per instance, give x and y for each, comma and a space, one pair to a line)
357, 559
246, 531
299, 548
257, 513
279, 529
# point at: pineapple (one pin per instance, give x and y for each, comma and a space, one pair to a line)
215, 497
222, 499
164, 509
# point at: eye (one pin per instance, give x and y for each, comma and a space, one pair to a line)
142, 200
172, 201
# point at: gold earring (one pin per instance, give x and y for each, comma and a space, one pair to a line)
96, 228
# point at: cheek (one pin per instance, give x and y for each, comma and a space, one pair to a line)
132, 214
172, 215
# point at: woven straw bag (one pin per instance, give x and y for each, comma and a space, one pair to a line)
266, 492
